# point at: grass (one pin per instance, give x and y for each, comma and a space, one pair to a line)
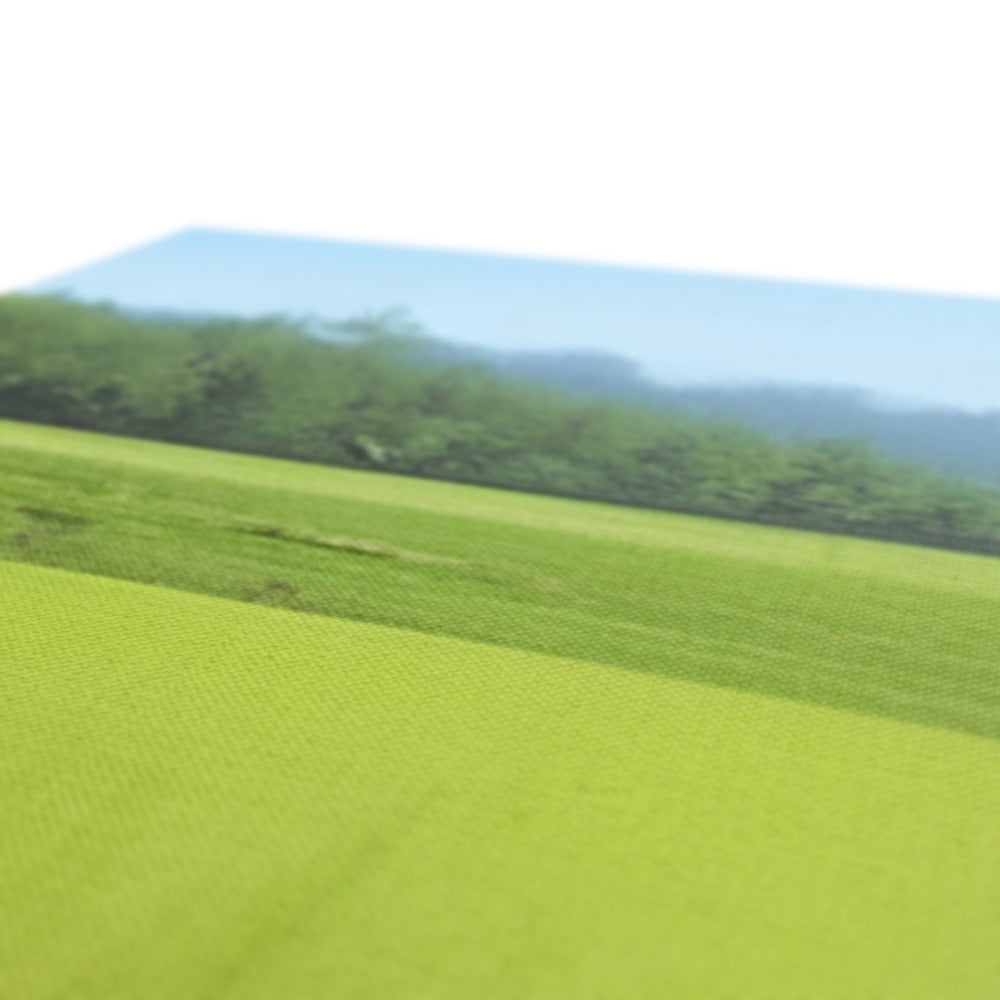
892, 630
208, 799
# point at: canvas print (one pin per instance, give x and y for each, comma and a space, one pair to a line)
389, 622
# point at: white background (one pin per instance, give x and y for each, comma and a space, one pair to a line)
844, 141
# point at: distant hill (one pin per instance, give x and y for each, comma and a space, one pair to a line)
950, 440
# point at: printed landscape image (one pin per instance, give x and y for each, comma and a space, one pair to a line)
379, 622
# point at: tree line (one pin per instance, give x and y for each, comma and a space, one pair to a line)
377, 393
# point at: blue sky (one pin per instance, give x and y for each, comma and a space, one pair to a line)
683, 328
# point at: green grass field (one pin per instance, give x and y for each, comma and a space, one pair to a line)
207, 799
911, 633
520, 747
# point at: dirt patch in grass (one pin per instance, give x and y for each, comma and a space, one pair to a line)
276, 592
340, 543
44, 522
46, 515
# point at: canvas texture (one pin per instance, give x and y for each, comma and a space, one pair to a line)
380, 623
